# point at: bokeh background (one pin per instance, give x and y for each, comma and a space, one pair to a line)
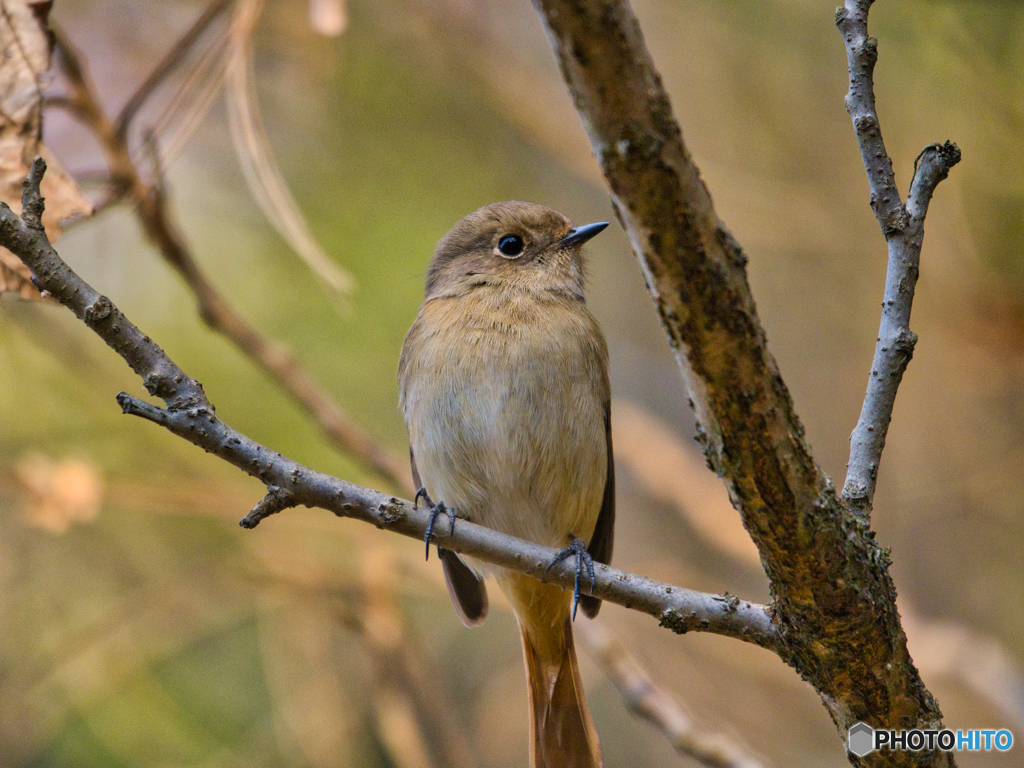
139, 626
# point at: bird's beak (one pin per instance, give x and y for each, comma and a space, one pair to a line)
580, 235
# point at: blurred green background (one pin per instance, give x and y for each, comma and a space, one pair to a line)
158, 633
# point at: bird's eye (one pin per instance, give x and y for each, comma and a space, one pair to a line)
510, 245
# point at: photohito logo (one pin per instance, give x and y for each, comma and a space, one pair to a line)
863, 740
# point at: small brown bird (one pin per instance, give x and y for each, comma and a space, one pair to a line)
503, 383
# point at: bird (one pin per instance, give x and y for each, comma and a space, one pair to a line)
504, 388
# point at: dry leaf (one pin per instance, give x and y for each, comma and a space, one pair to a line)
15, 277
673, 473
260, 168
27, 46
60, 492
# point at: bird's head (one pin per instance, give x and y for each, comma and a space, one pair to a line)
513, 245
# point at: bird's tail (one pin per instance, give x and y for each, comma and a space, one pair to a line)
562, 734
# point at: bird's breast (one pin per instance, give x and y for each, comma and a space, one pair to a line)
505, 402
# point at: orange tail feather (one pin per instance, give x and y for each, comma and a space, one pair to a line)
562, 734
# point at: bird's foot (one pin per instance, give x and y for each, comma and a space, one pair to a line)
578, 548
435, 510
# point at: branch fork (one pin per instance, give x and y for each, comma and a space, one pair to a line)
903, 229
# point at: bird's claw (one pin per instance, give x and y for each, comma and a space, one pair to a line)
578, 548
421, 494
435, 509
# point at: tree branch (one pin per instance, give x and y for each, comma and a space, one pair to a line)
903, 227
645, 699
189, 414
274, 358
834, 599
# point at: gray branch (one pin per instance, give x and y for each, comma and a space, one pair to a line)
903, 227
189, 414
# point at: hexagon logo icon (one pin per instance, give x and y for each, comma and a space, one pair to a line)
861, 740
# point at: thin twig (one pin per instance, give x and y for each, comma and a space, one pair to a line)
903, 227
274, 358
189, 414
276, 500
647, 700
201, 79
166, 66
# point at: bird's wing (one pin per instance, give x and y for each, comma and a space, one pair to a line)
465, 586
601, 543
